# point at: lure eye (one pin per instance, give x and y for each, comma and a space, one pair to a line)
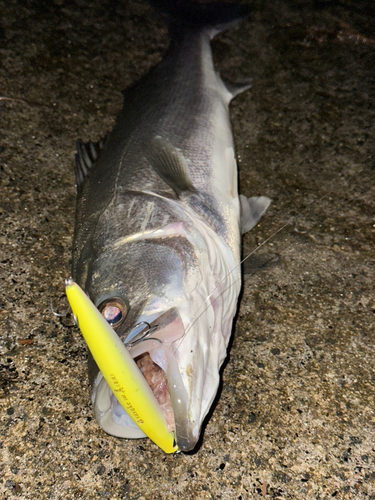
114, 310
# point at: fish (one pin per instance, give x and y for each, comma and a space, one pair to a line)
157, 240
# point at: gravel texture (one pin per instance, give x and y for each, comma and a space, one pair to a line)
295, 415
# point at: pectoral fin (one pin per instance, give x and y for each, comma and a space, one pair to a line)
170, 164
252, 210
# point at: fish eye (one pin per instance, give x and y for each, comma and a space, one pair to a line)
114, 310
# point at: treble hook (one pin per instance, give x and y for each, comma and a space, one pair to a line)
145, 334
59, 315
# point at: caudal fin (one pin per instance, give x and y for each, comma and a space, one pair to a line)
196, 16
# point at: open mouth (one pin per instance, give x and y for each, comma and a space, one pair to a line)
152, 346
158, 383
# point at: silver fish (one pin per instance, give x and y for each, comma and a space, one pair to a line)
159, 222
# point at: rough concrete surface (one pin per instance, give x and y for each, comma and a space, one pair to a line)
295, 416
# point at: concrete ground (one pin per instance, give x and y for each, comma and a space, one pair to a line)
295, 417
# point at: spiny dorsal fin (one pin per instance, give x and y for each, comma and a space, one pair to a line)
252, 210
170, 164
86, 156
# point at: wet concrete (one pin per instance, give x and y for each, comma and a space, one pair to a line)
295, 417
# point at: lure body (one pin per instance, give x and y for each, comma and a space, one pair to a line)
119, 370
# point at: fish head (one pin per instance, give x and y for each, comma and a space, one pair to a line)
163, 299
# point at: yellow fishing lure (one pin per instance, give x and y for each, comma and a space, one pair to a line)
119, 369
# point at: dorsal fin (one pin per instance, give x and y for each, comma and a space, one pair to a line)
86, 156
170, 164
252, 210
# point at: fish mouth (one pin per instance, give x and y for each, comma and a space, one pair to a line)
153, 347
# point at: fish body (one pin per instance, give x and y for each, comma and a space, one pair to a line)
158, 226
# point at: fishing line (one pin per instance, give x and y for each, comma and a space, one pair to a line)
291, 221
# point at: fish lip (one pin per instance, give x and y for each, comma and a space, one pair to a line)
187, 434
186, 443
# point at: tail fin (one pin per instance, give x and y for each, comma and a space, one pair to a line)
197, 16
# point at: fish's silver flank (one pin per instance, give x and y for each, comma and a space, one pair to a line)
159, 223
